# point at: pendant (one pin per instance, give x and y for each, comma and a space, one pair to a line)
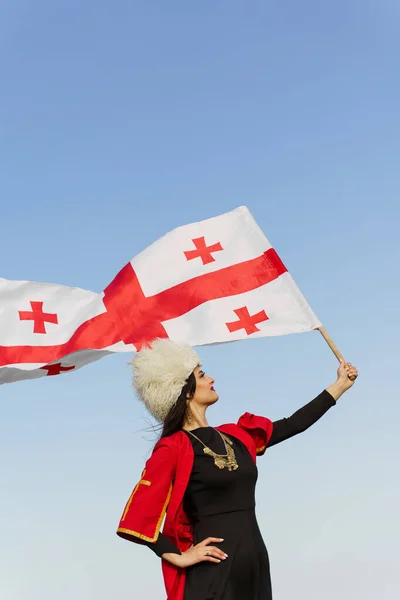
232, 465
219, 462
232, 462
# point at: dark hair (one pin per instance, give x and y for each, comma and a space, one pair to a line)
175, 418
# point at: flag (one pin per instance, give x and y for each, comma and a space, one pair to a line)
209, 282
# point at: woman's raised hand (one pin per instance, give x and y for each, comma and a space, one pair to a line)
346, 376
198, 553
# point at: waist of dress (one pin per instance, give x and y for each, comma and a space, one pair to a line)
195, 518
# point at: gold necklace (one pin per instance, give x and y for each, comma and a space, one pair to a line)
221, 461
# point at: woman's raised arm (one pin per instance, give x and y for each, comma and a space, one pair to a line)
309, 414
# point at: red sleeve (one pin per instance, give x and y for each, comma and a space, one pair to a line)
147, 505
260, 429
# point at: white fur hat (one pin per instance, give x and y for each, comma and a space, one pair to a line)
160, 372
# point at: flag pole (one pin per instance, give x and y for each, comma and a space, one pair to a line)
331, 344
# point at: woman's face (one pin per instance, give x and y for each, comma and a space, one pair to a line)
205, 393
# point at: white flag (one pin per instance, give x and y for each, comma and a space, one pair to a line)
209, 282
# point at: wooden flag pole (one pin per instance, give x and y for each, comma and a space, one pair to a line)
331, 344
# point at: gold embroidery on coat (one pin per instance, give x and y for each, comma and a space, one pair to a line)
141, 482
160, 520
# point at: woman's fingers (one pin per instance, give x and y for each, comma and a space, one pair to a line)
214, 554
209, 540
211, 559
352, 373
211, 553
347, 370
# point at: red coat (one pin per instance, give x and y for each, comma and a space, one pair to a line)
162, 486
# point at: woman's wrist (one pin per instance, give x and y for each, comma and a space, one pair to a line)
172, 557
337, 389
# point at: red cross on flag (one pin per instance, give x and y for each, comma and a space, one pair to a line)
209, 282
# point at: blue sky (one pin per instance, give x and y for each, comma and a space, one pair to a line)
122, 120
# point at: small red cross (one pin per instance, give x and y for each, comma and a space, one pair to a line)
38, 317
246, 321
202, 251
56, 369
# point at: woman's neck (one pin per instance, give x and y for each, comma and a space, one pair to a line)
193, 427
194, 421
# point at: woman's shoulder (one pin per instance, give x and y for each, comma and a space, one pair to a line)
172, 442
248, 421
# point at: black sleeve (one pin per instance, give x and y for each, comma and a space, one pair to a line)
301, 419
162, 545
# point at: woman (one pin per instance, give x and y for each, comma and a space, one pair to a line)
203, 479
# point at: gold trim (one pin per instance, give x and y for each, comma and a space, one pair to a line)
143, 482
260, 449
145, 537
136, 534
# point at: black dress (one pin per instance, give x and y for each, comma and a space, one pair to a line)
221, 503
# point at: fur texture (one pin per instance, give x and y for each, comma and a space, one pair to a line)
160, 372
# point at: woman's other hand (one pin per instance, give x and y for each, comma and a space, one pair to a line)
198, 553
